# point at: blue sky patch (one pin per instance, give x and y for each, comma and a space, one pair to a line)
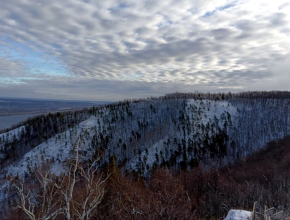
119, 7
36, 62
209, 13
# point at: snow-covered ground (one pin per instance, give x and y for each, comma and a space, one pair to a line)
210, 108
238, 215
202, 118
56, 149
198, 113
8, 136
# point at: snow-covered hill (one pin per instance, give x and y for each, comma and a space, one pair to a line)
56, 150
174, 132
178, 133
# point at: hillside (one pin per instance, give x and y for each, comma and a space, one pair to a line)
177, 131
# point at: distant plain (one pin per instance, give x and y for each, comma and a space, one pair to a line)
14, 110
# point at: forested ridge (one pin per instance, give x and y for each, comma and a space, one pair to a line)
195, 140
34, 131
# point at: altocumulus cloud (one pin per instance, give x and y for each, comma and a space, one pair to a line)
89, 49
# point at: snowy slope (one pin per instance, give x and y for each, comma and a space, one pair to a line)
210, 109
55, 151
141, 134
198, 115
58, 149
9, 136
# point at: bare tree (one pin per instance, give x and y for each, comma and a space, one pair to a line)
85, 178
93, 192
76, 195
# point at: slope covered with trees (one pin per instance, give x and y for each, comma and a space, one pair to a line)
179, 131
34, 131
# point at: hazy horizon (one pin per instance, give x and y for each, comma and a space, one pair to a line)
55, 99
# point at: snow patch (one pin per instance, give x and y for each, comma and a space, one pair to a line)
238, 215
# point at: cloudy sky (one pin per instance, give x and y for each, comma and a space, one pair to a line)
113, 49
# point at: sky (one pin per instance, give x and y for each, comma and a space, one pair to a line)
113, 50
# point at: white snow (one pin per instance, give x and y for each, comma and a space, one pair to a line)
210, 108
57, 148
238, 215
8, 136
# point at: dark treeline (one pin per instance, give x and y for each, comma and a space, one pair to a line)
229, 95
